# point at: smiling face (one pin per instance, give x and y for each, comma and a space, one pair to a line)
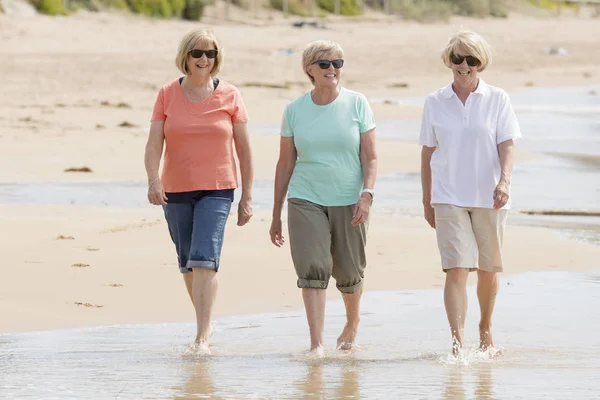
464, 67
329, 77
202, 66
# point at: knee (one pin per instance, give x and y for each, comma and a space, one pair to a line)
457, 276
487, 276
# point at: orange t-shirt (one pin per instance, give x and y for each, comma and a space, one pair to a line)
199, 138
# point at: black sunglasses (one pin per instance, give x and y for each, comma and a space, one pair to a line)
458, 59
324, 64
197, 53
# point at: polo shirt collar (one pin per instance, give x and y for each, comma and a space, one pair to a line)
482, 89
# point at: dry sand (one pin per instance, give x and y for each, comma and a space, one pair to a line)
61, 87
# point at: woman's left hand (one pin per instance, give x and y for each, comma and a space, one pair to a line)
362, 209
501, 195
244, 211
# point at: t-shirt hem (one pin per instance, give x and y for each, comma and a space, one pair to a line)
371, 127
201, 187
323, 203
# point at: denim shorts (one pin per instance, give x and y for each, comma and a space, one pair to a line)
197, 228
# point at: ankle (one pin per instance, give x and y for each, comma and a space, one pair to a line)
485, 327
353, 321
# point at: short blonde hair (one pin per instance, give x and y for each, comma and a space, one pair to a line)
471, 43
188, 42
314, 50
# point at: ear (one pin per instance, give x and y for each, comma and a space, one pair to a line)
307, 70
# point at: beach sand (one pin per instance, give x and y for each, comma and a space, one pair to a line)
62, 86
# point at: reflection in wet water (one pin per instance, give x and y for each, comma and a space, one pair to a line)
543, 325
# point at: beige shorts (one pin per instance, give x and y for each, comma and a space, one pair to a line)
470, 237
324, 243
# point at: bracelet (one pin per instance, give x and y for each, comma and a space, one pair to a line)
153, 182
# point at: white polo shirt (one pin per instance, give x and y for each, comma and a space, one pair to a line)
465, 167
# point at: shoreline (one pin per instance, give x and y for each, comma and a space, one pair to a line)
145, 287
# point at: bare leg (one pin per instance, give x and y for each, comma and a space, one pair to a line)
348, 336
455, 300
314, 303
189, 278
204, 292
487, 288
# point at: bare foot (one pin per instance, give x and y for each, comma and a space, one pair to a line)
317, 352
456, 346
201, 348
348, 336
485, 339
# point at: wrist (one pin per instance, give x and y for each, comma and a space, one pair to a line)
246, 196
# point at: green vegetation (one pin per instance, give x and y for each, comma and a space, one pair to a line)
347, 7
187, 9
194, 10
417, 10
50, 7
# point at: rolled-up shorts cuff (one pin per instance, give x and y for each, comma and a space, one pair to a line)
350, 289
206, 264
312, 284
470, 268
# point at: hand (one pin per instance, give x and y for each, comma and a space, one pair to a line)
244, 211
276, 232
362, 209
156, 193
429, 213
501, 195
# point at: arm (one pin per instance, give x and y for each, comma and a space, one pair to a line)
283, 173
506, 151
152, 156
426, 154
368, 161
244, 153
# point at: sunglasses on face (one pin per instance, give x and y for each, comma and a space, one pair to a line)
324, 64
197, 53
458, 59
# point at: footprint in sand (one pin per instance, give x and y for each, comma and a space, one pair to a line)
92, 249
114, 285
88, 305
62, 237
80, 265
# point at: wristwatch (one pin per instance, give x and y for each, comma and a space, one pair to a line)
370, 191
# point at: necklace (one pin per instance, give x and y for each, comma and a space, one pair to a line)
185, 101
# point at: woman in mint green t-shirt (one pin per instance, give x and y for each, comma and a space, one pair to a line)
327, 166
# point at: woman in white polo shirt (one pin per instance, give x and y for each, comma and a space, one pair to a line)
467, 134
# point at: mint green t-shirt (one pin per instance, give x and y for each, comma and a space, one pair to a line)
328, 171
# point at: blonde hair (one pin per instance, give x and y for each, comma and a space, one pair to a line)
314, 50
188, 42
471, 43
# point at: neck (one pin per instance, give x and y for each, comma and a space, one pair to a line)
325, 95
463, 89
196, 82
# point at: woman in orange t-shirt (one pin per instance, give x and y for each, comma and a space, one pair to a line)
199, 117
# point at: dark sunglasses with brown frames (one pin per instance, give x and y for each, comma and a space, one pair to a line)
458, 59
197, 53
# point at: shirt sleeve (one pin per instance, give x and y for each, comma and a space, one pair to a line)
158, 114
366, 120
239, 109
427, 134
508, 126
286, 127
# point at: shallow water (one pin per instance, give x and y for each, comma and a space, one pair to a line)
545, 323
